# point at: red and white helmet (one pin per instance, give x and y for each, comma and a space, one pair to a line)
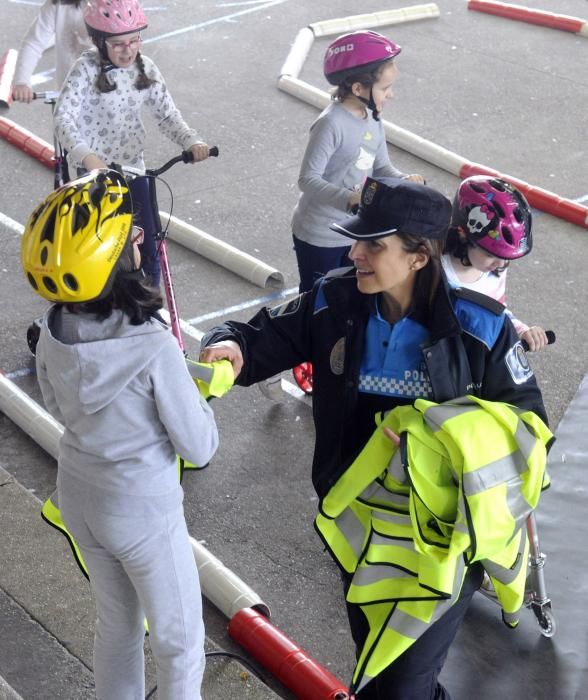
114, 17
494, 215
358, 50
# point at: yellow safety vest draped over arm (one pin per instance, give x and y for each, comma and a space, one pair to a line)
404, 521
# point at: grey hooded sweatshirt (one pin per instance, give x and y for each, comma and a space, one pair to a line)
128, 406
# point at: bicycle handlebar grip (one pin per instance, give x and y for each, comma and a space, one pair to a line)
187, 156
550, 340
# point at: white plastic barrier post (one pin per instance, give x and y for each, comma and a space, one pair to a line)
222, 253
298, 53
30, 417
341, 25
220, 585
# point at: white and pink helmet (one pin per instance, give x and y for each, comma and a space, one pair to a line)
493, 215
114, 17
357, 51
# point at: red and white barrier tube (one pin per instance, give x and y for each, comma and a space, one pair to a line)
27, 141
7, 68
536, 196
287, 662
526, 14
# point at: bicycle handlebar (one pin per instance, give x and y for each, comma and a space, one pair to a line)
185, 157
49, 95
550, 340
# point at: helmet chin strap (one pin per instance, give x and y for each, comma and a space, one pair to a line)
370, 104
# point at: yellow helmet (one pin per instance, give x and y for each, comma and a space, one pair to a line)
74, 238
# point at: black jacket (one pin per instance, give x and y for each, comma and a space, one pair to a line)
327, 326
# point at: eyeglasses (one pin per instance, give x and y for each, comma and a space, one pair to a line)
118, 46
137, 235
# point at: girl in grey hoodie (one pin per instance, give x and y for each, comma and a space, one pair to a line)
107, 368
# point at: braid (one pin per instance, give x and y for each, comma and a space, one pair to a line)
143, 81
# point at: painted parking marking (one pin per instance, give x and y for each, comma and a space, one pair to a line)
216, 20
263, 301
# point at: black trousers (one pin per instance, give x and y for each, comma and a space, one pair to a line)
414, 674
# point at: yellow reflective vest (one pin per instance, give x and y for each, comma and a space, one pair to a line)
405, 522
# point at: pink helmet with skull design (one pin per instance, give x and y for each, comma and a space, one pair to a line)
493, 215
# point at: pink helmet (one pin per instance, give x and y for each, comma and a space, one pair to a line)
358, 50
494, 215
113, 17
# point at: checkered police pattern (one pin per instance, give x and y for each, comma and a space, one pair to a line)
415, 385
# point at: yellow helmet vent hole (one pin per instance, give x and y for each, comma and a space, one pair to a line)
70, 282
50, 284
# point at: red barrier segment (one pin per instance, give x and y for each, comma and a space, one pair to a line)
292, 666
27, 141
7, 68
525, 14
536, 196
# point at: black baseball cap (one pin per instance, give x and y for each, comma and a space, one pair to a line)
392, 205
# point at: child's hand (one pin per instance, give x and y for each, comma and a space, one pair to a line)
92, 162
354, 200
199, 151
22, 93
225, 350
419, 179
535, 338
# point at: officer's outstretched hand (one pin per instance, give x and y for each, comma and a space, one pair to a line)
225, 350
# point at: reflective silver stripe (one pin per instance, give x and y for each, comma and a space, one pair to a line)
376, 492
396, 468
199, 371
374, 573
518, 506
392, 518
352, 529
437, 415
407, 625
382, 540
526, 440
493, 474
501, 573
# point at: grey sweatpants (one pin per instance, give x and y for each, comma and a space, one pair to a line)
139, 567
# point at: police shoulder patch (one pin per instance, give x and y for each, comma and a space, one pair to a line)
518, 364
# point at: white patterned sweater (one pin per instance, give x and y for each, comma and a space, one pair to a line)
109, 124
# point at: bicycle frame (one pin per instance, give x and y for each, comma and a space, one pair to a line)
161, 236
60, 171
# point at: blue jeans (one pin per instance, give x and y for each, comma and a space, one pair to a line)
315, 261
148, 218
